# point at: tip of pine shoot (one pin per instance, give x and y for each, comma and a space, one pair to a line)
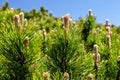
21, 13
66, 76
90, 10
95, 46
107, 20
46, 75
90, 76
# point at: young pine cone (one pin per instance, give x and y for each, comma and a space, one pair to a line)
90, 76
90, 12
46, 76
66, 76
16, 19
21, 15
26, 41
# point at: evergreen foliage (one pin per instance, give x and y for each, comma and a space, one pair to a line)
36, 45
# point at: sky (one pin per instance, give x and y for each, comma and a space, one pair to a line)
103, 9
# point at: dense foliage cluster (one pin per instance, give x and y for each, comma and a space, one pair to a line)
36, 45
